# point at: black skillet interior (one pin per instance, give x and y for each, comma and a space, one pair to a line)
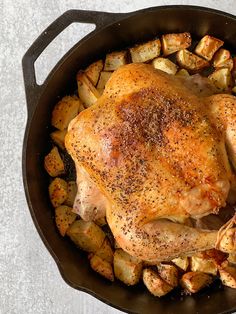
114, 31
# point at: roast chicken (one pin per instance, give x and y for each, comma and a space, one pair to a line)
152, 155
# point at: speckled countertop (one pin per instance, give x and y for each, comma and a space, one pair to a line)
29, 279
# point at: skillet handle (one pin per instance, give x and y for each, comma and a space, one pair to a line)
32, 89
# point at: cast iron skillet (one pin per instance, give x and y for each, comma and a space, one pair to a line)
113, 31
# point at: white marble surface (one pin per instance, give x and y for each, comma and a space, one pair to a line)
29, 279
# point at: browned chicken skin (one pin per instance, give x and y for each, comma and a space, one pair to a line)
156, 152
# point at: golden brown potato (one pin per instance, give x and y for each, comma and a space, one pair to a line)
222, 79
165, 65
87, 235
71, 193
195, 281
53, 163
155, 284
146, 51
182, 72
104, 77
127, 268
228, 275
58, 191
58, 137
207, 47
190, 61
114, 60
234, 89
202, 263
64, 218
169, 273
175, 42
87, 92
181, 262
65, 110
105, 251
223, 59
101, 266
93, 71
227, 241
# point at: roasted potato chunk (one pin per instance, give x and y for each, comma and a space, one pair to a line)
53, 163
146, 51
223, 59
86, 235
195, 281
58, 138
181, 262
165, 65
58, 191
102, 267
182, 72
115, 60
105, 251
104, 77
65, 110
169, 273
155, 284
87, 92
202, 263
93, 71
175, 42
207, 47
64, 218
222, 79
190, 61
127, 268
71, 193
232, 258
227, 241
234, 89
228, 275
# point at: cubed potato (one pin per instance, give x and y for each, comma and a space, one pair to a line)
146, 52
175, 42
114, 60
165, 65
104, 77
127, 268
86, 235
181, 262
58, 191
207, 47
234, 89
222, 79
53, 163
155, 284
105, 251
232, 258
201, 263
65, 110
195, 281
227, 242
87, 92
58, 138
93, 71
71, 193
64, 218
215, 255
169, 273
223, 59
228, 275
190, 61
182, 72
102, 267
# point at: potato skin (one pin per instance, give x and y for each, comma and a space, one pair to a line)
155, 284
53, 163
64, 217
58, 191
192, 282
102, 267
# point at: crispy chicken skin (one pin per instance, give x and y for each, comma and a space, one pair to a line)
156, 152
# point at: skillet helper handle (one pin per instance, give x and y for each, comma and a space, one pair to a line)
32, 89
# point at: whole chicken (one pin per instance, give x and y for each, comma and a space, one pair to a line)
155, 152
